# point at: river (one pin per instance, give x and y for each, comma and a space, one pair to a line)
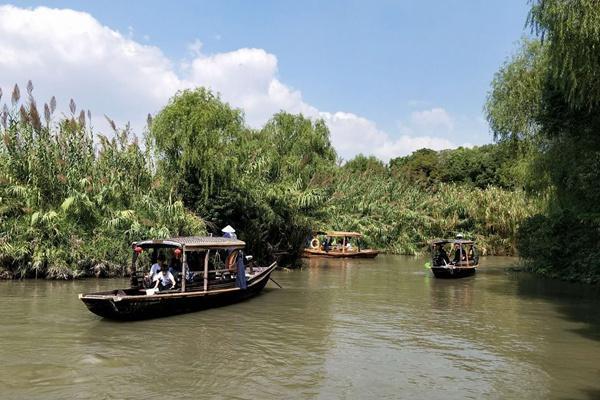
371, 329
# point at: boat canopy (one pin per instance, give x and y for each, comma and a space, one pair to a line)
194, 243
338, 234
453, 241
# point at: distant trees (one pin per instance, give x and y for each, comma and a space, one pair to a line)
482, 166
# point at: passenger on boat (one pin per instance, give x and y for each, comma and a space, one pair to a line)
459, 254
175, 263
326, 244
154, 269
348, 246
164, 280
442, 256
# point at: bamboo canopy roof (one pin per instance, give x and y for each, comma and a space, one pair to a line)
194, 242
453, 241
339, 234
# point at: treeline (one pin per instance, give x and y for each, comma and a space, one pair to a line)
278, 183
404, 204
547, 98
72, 200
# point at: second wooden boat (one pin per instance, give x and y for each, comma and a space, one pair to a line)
464, 262
336, 244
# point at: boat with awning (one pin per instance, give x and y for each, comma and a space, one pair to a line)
209, 272
337, 244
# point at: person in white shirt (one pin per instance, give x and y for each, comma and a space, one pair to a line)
164, 280
157, 266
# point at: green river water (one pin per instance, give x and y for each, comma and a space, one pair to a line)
368, 329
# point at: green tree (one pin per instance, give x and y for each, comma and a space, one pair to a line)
552, 89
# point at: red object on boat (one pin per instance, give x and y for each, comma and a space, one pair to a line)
138, 249
177, 252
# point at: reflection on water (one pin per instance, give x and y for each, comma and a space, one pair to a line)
354, 329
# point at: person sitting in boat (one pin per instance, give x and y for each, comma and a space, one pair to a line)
164, 280
175, 263
154, 269
459, 254
442, 257
348, 246
326, 244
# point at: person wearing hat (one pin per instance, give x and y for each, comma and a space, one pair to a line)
229, 232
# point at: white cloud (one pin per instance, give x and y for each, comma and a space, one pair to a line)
434, 121
195, 47
71, 55
352, 134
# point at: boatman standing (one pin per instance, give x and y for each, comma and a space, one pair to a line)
229, 232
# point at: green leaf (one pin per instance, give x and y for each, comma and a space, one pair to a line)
35, 217
67, 203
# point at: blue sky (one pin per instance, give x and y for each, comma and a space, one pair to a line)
398, 65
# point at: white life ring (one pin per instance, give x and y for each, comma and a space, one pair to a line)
315, 244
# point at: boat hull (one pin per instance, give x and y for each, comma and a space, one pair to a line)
453, 273
311, 253
127, 308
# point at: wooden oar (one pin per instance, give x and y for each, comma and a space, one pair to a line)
275, 282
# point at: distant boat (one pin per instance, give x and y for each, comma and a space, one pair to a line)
464, 262
208, 277
337, 245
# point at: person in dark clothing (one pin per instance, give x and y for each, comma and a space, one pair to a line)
175, 264
327, 244
459, 254
443, 256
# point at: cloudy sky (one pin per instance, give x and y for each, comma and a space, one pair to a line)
389, 77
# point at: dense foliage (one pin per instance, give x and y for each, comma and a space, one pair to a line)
266, 183
548, 98
71, 202
481, 167
278, 183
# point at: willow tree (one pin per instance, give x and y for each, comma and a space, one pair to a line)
195, 136
260, 181
549, 95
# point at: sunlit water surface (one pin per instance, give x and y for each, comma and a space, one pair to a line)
379, 329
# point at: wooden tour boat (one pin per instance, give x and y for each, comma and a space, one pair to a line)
206, 270
463, 264
337, 245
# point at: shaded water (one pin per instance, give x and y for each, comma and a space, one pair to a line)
382, 328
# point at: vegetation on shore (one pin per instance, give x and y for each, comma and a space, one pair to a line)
73, 200
547, 99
